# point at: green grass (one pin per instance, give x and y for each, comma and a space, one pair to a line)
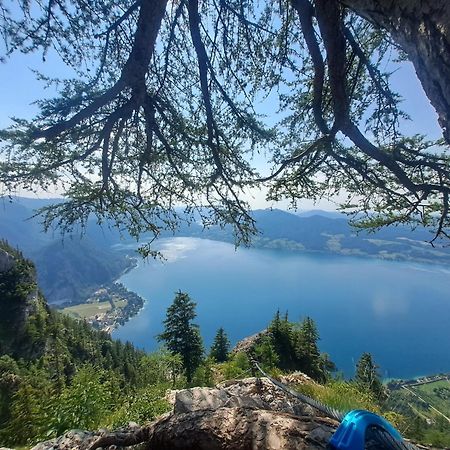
437, 394
85, 310
120, 303
345, 396
341, 395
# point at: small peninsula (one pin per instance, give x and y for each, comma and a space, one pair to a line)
106, 308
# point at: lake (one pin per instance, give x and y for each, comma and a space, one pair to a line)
399, 312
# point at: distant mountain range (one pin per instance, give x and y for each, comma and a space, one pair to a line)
69, 269
330, 233
320, 212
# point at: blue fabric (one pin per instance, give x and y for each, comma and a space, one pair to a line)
351, 434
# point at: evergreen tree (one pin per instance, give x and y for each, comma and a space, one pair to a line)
281, 334
221, 346
266, 354
367, 376
326, 365
307, 350
181, 335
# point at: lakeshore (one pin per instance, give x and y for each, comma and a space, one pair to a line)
107, 308
359, 305
419, 381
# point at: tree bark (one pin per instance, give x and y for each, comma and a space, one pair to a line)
422, 29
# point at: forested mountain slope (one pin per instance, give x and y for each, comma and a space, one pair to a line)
46, 355
69, 267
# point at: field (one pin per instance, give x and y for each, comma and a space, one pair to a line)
86, 310
120, 303
430, 401
437, 394
426, 408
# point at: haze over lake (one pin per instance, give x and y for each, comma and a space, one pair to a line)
400, 312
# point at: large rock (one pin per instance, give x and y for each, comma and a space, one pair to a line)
253, 393
240, 428
71, 440
249, 414
243, 414
247, 344
81, 439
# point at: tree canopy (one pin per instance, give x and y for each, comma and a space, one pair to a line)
181, 336
367, 376
166, 109
220, 347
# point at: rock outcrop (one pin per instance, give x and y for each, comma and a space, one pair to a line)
250, 393
243, 414
20, 300
248, 414
247, 344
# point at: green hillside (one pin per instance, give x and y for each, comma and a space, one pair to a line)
68, 271
86, 379
427, 407
69, 268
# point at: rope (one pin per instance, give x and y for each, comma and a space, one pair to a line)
381, 435
330, 412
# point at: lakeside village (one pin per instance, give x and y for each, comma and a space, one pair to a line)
401, 384
108, 307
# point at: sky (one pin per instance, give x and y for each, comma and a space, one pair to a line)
19, 89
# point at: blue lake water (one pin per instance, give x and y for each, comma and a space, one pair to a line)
399, 312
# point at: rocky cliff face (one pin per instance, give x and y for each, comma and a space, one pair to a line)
19, 301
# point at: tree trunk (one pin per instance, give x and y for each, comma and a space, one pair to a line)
422, 29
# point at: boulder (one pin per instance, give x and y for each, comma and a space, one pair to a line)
253, 393
74, 439
249, 414
239, 414
239, 428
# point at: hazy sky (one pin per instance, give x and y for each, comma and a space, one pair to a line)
19, 89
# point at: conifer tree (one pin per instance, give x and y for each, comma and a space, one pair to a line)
221, 346
266, 354
182, 336
307, 350
282, 340
367, 376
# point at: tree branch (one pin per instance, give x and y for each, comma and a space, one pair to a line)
202, 60
133, 73
306, 12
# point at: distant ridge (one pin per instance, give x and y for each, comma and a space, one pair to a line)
321, 212
68, 271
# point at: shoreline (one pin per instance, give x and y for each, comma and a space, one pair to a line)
386, 257
396, 384
109, 307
